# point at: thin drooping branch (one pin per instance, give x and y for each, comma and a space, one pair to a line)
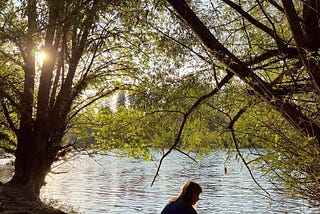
186, 115
247, 35
231, 129
180, 43
186, 154
93, 100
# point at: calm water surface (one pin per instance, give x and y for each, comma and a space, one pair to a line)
109, 184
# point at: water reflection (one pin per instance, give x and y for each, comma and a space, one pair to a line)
109, 184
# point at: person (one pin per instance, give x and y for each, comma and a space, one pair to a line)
185, 202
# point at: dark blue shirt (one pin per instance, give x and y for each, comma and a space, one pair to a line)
178, 207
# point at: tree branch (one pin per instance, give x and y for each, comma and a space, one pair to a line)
8, 118
310, 63
230, 128
65, 96
291, 53
224, 81
258, 24
48, 64
294, 23
276, 5
92, 101
180, 43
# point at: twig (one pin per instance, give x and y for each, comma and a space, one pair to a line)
182, 152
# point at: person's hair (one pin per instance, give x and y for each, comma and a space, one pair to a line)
188, 190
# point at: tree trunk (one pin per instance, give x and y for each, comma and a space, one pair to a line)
33, 162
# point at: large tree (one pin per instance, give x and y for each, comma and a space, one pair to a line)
42, 92
58, 57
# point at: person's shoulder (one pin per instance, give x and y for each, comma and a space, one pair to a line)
187, 209
172, 208
178, 207
167, 209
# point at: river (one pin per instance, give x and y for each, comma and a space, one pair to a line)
110, 184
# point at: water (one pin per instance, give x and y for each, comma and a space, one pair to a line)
109, 184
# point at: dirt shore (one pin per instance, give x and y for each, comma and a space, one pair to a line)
13, 202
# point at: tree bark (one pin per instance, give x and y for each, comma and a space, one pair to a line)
33, 162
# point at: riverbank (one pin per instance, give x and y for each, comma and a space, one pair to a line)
12, 201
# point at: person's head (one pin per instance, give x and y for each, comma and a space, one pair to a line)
190, 193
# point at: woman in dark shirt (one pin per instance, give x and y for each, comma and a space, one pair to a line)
186, 201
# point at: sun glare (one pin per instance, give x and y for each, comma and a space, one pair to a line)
42, 56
